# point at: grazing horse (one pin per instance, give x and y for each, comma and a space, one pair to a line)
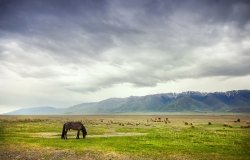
75, 126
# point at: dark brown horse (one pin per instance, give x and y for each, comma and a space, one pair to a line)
75, 126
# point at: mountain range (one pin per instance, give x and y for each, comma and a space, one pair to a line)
236, 101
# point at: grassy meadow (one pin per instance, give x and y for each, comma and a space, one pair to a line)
127, 137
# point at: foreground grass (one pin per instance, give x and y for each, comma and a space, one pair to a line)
160, 141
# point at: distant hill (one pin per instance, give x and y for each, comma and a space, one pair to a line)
37, 111
231, 101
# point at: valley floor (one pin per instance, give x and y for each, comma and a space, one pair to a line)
127, 137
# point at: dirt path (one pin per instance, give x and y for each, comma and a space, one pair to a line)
55, 134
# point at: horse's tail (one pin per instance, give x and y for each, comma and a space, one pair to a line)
63, 131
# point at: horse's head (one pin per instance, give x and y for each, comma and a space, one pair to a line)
84, 132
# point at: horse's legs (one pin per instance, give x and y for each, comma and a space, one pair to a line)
78, 132
65, 137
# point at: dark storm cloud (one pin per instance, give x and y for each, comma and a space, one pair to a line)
19, 15
95, 16
140, 42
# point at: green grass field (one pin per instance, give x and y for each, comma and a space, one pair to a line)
126, 137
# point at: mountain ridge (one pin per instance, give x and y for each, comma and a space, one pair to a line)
189, 101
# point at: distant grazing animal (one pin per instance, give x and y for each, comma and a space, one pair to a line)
227, 125
245, 126
238, 120
75, 126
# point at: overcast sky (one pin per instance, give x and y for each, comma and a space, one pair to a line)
64, 52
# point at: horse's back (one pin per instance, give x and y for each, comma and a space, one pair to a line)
74, 125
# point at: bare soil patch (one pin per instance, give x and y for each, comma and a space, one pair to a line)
73, 134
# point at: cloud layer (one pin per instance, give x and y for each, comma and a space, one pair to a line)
80, 47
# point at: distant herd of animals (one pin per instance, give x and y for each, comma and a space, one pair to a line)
80, 127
